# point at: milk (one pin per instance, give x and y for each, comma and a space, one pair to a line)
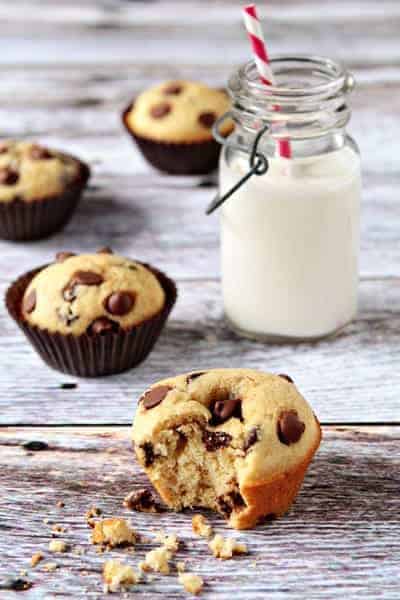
289, 245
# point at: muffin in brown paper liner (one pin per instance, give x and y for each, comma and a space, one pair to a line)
191, 158
94, 355
24, 221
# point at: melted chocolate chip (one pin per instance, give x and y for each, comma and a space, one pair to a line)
237, 499
105, 250
290, 428
158, 111
61, 256
155, 396
143, 501
224, 506
194, 376
39, 153
229, 502
29, 302
149, 456
284, 376
16, 584
224, 409
35, 446
101, 326
251, 439
173, 89
213, 440
207, 119
119, 303
8, 176
86, 278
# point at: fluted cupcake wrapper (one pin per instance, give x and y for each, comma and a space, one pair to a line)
23, 221
191, 158
92, 355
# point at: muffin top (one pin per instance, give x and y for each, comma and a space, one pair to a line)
92, 293
178, 112
31, 172
262, 416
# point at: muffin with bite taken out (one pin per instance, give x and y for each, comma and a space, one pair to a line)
39, 189
172, 125
92, 314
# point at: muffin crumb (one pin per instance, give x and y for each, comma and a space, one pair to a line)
201, 526
225, 548
58, 546
169, 541
118, 576
50, 567
36, 558
157, 560
113, 532
142, 501
180, 567
192, 583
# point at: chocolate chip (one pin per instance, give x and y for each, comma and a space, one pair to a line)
119, 303
194, 376
237, 499
105, 250
149, 456
143, 501
35, 446
155, 396
101, 326
173, 89
224, 409
284, 376
224, 506
61, 256
86, 278
39, 153
158, 111
16, 584
207, 119
213, 440
228, 502
29, 302
8, 176
290, 428
251, 439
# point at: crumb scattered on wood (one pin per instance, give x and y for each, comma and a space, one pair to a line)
142, 501
169, 541
58, 529
50, 567
113, 532
201, 526
60, 504
36, 558
58, 546
118, 576
180, 567
157, 560
225, 548
192, 583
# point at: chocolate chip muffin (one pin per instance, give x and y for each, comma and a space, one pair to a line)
236, 441
39, 189
92, 314
172, 125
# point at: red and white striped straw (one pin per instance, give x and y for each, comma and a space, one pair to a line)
261, 58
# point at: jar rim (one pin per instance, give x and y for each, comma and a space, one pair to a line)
337, 79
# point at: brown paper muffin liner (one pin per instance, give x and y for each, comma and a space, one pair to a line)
92, 355
23, 221
191, 158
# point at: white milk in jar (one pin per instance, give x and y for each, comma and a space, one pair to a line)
290, 237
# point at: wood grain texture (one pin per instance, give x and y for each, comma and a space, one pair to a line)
354, 378
341, 538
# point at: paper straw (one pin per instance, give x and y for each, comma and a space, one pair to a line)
261, 58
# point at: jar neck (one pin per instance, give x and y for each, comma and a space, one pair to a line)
308, 101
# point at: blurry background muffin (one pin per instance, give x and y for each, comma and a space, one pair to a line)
39, 189
172, 125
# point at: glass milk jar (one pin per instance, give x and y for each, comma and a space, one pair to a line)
290, 237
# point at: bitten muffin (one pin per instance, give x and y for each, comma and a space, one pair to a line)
236, 441
92, 314
39, 189
172, 125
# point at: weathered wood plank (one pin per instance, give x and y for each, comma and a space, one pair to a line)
341, 538
353, 378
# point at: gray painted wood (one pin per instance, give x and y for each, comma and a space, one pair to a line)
341, 538
354, 378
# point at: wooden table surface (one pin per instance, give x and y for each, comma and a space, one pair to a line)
67, 70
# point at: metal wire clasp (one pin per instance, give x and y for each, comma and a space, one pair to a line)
258, 163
